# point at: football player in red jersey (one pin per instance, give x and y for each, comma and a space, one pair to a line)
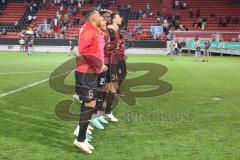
90, 62
102, 78
107, 79
98, 114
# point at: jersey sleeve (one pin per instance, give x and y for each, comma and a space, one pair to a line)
85, 39
90, 57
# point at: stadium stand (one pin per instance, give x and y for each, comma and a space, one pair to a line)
75, 21
13, 16
13, 12
186, 15
43, 14
2, 7
213, 12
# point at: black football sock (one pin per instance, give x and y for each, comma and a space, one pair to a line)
123, 73
99, 105
85, 116
109, 100
97, 109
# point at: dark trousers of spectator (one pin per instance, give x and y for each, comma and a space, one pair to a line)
176, 51
190, 15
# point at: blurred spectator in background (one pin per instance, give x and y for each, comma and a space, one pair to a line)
16, 25
61, 36
151, 15
159, 13
26, 40
166, 26
35, 5
71, 48
30, 8
144, 14
179, 45
163, 37
198, 14
176, 50
44, 5
234, 2
190, 13
181, 27
212, 15
177, 3
204, 23
129, 7
138, 29
4, 31
55, 35
70, 11
140, 12
172, 47
29, 18
55, 21
79, 4
30, 48
148, 7
21, 43
158, 20
184, 5
222, 22
197, 50
34, 17
207, 46
22, 33
61, 8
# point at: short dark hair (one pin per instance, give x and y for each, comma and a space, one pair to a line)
86, 14
102, 12
113, 15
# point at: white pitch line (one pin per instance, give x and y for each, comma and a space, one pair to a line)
6, 73
22, 88
30, 85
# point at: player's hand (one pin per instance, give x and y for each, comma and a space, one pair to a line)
104, 68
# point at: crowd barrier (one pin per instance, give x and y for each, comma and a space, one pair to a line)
62, 42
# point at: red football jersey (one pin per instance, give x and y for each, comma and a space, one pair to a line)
111, 47
90, 49
121, 49
107, 48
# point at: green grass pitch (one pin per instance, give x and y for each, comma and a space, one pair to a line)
30, 130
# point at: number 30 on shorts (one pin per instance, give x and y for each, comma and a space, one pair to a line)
114, 77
